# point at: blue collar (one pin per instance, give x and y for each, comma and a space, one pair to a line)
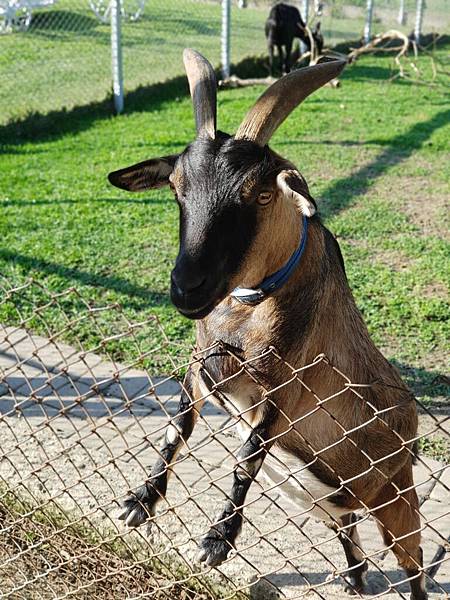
273, 282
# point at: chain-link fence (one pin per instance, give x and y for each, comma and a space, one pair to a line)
57, 54
78, 430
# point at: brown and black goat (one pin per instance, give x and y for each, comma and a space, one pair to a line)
257, 269
282, 27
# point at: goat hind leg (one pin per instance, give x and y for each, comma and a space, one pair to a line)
399, 524
217, 543
141, 503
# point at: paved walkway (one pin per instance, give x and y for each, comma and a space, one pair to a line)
83, 431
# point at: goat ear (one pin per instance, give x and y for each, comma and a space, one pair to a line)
145, 175
292, 184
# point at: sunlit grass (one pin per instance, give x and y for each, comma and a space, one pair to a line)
367, 149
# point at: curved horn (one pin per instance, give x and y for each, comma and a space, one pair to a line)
203, 87
280, 99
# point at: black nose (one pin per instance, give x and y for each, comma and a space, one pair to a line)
187, 281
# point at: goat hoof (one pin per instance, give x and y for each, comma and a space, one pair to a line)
421, 595
355, 580
138, 507
213, 549
353, 590
354, 586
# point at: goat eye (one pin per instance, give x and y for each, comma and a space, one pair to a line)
264, 198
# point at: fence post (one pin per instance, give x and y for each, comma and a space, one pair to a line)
305, 10
401, 19
368, 25
116, 56
420, 6
225, 41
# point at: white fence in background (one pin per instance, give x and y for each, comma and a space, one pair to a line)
144, 39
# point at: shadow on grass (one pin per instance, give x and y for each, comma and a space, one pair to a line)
48, 201
342, 192
427, 41
62, 21
170, 23
117, 284
425, 382
372, 73
38, 127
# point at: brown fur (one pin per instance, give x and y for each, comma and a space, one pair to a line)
336, 329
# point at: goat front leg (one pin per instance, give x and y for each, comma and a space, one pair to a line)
281, 57
288, 57
141, 503
217, 543
346, 528
270, 46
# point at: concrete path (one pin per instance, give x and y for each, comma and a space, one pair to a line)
82, 431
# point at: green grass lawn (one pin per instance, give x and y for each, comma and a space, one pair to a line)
374, 154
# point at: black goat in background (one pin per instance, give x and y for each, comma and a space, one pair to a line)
284, 24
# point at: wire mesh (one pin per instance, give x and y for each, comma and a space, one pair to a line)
79, 429
56, 54
59, 56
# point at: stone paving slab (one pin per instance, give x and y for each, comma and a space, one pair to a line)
82, 431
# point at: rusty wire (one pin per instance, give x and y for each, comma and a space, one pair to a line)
79, 429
